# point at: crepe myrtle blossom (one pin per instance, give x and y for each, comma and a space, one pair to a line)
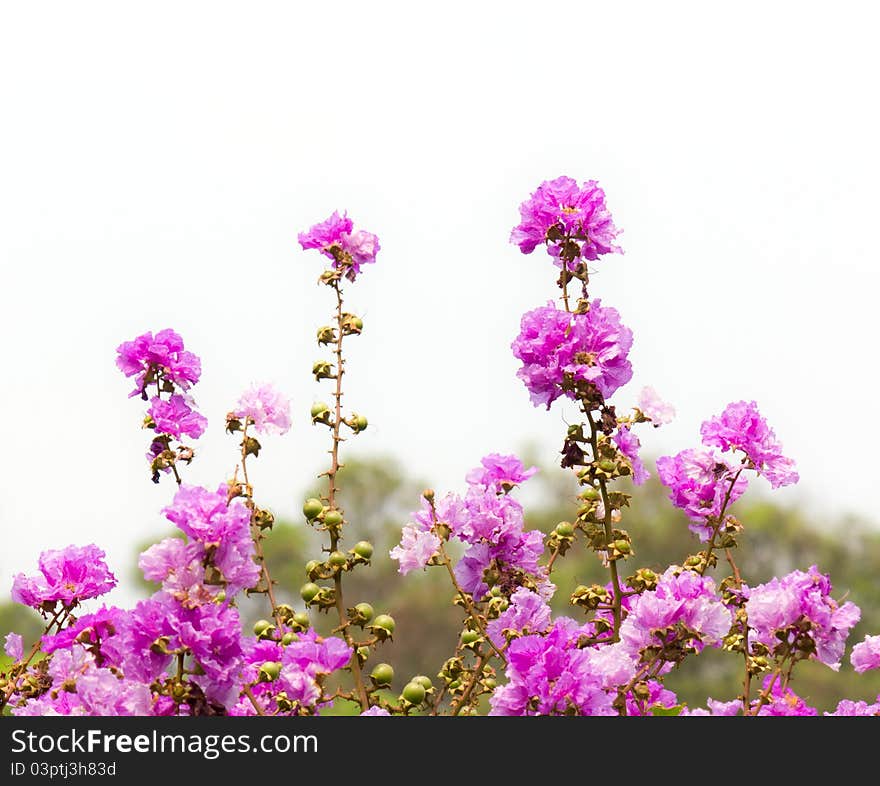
849, 709
176, 417
681, 598
300, 667
655, 408
69, 575
628, 444
416, 548
559, 349
220, 526
741, 427
866, 654
528, 613
783, 701
13, 646
267, 408
499, 472
573, 221
700, 483
799, 606
337, 240
156, 360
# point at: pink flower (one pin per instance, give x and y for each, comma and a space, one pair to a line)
267, 407
158, 359
559, 349
415, 550
741, 427
699, 483
177, 418
652, 406
336, 240
572, 220
628, 444
13, 646
866, 654
499, 472
70, 575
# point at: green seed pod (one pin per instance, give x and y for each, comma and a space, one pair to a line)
607, 465
313, 508
318, 409
262, 628
332, 518
269, 671
289, 638
309, 591
564, 529
337, 559
469, 637
424, 681
301, 620
382, 674
363, 549
414, 693
364, 611
384, 623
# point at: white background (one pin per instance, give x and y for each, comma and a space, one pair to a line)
158, 160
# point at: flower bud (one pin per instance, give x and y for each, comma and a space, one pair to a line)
269, 671
332, 518
313, 568
358, 423
313, 508
382, 674
362, 654
413, 692
564, 529
309, 591
363, 549
428, 494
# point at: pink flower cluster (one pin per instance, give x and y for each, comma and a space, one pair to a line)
158, 359
267, 409
67, 575
559, 349
488, 521
573, 221
703, 484
337, 240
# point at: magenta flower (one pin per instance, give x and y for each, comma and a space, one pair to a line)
866, 654
158, 359
267, 408
13, 646
652, 406
559, 349
800, 605
71, 574
177, 418
348, 249
415, 550
741, 427
375, 712
784, 702
219, 525
90, 630
527, 613
500, 473
572, 220
849, 709
680, 598
699, 483
628, 444
550, 675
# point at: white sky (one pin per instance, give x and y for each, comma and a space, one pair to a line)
157, 161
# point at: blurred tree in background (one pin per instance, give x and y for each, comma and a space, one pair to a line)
378, 496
